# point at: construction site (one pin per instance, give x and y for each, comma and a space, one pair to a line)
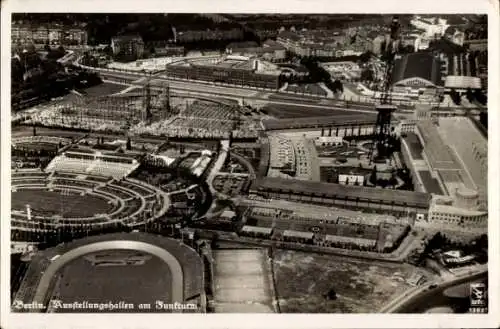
114, 112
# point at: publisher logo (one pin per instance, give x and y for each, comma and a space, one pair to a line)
478, 296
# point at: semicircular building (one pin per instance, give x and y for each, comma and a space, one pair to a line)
122, 272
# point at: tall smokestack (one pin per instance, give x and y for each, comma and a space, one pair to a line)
28, 212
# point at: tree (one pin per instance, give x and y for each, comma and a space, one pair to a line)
483, 119
108, 50
338, 86
331, 295
470, 95
480, 97
365, 57
455, 96
367, 75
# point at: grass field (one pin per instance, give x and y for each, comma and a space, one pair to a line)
103, 89
360, 286
131, 283
46, 203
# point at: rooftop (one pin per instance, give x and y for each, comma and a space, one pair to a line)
323, 121
462, 82
417, 65
438, 153
414, 146
342, 191
289, 35
243, 44
444, 45
430, 183
127, 37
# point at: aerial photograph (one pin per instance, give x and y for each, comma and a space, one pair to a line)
249, 163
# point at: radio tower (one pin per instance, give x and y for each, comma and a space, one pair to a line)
385, 108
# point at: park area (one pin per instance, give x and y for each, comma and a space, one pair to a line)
345, 150
333, 284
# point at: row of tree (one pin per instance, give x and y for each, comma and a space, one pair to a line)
472, 96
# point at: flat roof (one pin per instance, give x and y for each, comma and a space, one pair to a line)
342, 191
462, 82
437, 152
417, 65
414, 146
257, 229
321, 121
430, 183
339, 238
298, 234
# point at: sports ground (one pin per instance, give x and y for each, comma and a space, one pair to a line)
48, 203
138, 278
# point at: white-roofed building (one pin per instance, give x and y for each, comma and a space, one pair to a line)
344, 239
328, 140
297, 235
256, 230
461, 83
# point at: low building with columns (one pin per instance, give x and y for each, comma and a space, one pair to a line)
449, 172
326, 126
388, 201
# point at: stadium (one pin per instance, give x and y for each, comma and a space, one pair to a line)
44, 201
134, 272
85, 189
236, 70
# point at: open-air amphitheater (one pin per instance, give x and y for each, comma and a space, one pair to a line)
48, 200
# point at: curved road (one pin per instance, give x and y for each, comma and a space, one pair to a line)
417, 299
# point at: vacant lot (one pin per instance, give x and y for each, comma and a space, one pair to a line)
361, 286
